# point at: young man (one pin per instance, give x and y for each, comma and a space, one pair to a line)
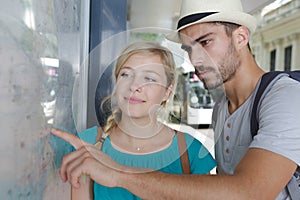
216, 34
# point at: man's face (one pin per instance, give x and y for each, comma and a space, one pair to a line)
211, 51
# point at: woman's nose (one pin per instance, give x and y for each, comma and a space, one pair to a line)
135, 85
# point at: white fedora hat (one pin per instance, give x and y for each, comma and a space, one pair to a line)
198, 11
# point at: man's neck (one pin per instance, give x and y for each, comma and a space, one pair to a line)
242, 85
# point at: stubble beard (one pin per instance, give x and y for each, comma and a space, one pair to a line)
224, 71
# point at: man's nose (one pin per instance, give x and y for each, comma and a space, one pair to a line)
197, 55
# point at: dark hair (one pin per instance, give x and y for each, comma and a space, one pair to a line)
229, 28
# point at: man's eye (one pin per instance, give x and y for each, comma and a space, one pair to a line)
205, 42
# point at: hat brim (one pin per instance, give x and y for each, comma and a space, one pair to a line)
236, 17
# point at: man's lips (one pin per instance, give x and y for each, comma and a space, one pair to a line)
201, 74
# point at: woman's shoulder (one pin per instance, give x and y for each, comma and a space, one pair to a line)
89, 135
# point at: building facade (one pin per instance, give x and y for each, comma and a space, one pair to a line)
276, 42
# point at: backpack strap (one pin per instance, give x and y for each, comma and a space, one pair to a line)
294, 185
184, 157
265, 81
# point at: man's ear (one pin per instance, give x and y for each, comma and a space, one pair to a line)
241, 37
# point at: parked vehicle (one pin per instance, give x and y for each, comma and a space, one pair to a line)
199, 103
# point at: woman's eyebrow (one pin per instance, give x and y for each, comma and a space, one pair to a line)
151, 71
125, 67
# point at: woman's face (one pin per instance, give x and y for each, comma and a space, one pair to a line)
141, 85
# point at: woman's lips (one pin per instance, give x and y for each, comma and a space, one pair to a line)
133, 100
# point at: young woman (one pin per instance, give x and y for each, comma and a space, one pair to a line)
134, 136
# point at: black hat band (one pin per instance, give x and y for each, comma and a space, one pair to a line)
192, 18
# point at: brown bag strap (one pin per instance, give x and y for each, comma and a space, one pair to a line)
184, 157
100, 138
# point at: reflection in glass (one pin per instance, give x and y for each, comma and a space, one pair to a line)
40, 57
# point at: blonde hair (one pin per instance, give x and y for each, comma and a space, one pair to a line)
136, 48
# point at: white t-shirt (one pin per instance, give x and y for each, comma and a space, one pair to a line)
279, 126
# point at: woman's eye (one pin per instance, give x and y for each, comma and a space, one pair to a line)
125, 74
149, 79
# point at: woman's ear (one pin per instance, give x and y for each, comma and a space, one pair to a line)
168, 93
241, 37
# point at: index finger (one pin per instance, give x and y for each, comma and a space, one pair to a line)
68, 137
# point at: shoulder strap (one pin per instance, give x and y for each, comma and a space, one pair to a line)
265, 80
184, 157
100, 138
183, 152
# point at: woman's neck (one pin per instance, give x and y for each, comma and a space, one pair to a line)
129, 137
140, 128
127, 143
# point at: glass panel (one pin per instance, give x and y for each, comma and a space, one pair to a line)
40, 62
